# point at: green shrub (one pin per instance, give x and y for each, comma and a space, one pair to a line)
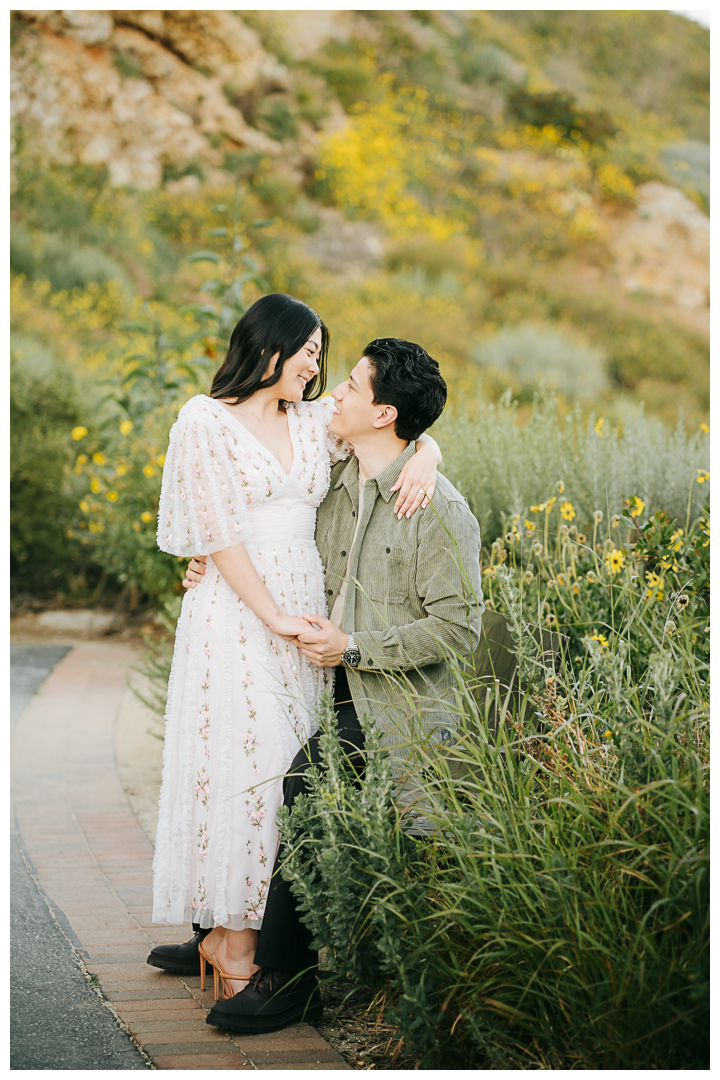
504, 468
23, 258
534, 355
43, 408
169, 357
67, 266
560, 109
554, 912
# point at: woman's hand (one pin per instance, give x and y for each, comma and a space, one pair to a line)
288, 626
416, 482
195, 572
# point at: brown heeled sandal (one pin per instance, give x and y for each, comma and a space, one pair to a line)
226, 978
204, 961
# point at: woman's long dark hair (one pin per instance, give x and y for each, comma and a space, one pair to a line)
274, 324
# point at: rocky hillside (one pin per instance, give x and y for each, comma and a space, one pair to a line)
489, 167
142, 93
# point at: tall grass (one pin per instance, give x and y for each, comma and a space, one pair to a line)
503, 468
555, 911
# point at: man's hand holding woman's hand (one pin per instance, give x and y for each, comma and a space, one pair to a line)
323, 646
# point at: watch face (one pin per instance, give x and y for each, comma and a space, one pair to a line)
351, 657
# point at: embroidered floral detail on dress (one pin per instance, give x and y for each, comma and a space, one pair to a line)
227, 738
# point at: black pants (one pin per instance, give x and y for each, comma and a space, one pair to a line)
284, 942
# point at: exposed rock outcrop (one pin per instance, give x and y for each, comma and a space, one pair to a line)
137, 90
663, 247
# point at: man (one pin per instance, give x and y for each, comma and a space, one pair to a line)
403, 596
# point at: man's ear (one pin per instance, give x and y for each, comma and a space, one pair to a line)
387, 416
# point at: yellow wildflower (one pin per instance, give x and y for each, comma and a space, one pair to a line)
567, 510
94, 485
601, 638
702, 476
160, 460
147, 516
82, 459
536, 509
79, 433
126, 427
599, 426
560, 486
112, 496
84, 506
136, 526
636, 506
489, 571
575, 588
99, 458
705, 428
615, 560
653, 580
676, 540
148, 470
122, 469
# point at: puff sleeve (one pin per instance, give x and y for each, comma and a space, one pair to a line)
202, 504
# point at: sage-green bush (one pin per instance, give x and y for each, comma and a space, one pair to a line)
503, 468
43, 409
534, 355
556, 912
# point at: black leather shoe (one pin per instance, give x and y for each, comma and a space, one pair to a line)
271, 1000
180, 959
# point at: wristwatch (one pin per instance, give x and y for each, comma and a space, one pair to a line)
351, 656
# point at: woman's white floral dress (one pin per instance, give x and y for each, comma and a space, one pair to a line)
240, 700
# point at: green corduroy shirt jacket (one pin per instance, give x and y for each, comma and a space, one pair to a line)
414, 600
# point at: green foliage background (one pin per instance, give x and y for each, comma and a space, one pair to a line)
108, 289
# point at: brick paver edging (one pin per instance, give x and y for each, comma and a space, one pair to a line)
94, 861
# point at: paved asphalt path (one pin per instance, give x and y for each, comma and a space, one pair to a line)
58, 1021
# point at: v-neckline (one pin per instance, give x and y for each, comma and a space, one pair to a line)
269, 452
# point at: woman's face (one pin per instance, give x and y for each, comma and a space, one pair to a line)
299, 369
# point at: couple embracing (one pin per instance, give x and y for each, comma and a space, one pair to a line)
320, 563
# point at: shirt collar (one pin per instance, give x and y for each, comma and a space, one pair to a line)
386, 479
350, 474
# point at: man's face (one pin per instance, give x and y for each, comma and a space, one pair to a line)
356, 415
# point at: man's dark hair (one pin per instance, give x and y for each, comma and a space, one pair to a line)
404, 375
275, 324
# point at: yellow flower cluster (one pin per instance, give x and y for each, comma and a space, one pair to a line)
615, 185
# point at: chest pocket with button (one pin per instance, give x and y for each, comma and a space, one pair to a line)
385, 572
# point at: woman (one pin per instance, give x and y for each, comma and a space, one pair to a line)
246, 468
